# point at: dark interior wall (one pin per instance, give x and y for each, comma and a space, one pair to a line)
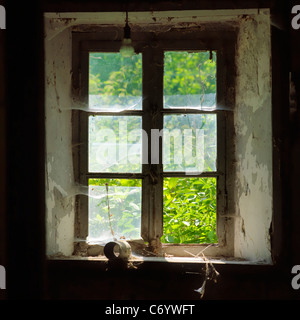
25, 150
294, 169
77, 280
22, 220
2, 157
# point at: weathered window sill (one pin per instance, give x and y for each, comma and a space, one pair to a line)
165, 260
172, 254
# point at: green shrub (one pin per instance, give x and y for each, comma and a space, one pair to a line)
189, 210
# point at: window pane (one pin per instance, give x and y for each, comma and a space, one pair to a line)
190, 80
189, 210
114, 209
115, 82
115, 144
189, 142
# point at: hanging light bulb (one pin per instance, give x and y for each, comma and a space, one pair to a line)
127, 49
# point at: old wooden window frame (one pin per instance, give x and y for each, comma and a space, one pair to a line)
152, 46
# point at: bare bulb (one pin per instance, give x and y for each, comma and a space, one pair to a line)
127, 49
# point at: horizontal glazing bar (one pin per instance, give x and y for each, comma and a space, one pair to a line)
110, 175
190, 111
192, 174
116, 113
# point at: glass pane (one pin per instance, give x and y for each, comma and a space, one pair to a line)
115, 82
189, 210
114, 209
189, 142
115, 144
190, 80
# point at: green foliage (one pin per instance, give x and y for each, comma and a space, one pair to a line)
189, 203
189, 73
185, 74
119, 210
110, 74
189, 210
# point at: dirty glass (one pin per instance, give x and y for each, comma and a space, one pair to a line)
115, 144
114, 209
189, 210
115, 82
190, 80
189, 142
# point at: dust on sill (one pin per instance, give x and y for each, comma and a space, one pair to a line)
140, 252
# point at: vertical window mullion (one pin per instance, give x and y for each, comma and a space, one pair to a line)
221, 149
82, 214
152, 203
221, 180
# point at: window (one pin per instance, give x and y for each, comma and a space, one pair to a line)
241, 41
154, 140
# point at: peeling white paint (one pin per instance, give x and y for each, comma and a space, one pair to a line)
59, 180
253, 125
